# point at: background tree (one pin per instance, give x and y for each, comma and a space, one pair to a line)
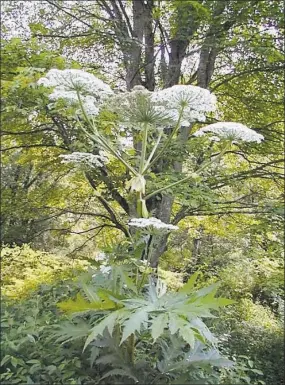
162, 43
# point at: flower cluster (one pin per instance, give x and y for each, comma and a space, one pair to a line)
195, 101
68, 83
151, 223
105, 269
136, 108
101, 257
162, 108
85, 158
231, 131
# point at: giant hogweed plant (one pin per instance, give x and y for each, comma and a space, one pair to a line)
132, 324
138, 330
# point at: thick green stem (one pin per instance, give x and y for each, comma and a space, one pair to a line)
139, 204
131, 348
144, 146
82, 108
152, 152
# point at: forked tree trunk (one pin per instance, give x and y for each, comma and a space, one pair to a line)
140, 58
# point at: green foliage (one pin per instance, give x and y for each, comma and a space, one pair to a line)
29, 353
129, 315
173, 280
251, 329
241, 251
24, 269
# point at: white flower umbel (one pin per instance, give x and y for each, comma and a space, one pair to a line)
195, 101
136, 108
105, 269
85, 158
151, 223
68, 83
232, 131
73, 80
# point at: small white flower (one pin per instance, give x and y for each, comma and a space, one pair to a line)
32, 116
151, 223
90, 105
232, 131
85, 158
125, 142
101, 257
105, 269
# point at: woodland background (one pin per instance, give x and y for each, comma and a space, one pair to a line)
53, 223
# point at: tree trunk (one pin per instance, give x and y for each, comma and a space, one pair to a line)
177, 54
206, 66
133, 76
143, 36
149, 47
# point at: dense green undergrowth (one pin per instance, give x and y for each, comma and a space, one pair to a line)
24, 269
249, 333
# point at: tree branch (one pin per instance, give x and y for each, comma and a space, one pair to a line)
249, 71
107, 207
33, 146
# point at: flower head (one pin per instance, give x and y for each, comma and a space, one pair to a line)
232, 131
73, 80
151, 223
68, 83
136, 108
105, 269
85, 158
195, 102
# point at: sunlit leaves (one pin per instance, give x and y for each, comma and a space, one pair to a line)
81, 305
149, 313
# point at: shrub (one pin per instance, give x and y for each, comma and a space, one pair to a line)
252, 330
28, 349
24, 269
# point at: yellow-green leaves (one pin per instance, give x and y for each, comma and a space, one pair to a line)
189, 285
80, 305
147, 314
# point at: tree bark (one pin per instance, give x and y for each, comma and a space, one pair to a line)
149, 47
135, 60
133, 77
